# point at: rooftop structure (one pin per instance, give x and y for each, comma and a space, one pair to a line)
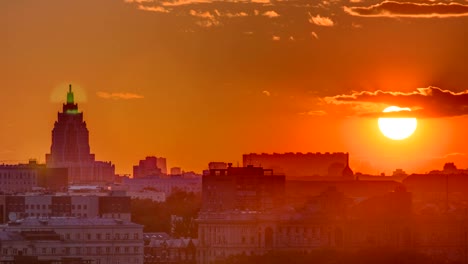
302, 164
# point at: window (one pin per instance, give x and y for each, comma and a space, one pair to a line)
135, 236
117, 249
108, 250
88, 236
98, 236
136, 249
78, 250
108, 237
53, 251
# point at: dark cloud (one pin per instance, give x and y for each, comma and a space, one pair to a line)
408, 9
426, 102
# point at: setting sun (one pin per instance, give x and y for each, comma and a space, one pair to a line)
397, 128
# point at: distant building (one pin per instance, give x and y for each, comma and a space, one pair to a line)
399, 173
242, 188
21, 178
50, 179
161, 163
248, 232
163, 184
72, 240
217, 165
16, 178
176, 171
70, 148
150, 166
295, 165
440, 186
163, 249
43, 206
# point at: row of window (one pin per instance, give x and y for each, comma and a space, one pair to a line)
101, 236
6, 175
50, 206
17, 182
71, 250
51, 215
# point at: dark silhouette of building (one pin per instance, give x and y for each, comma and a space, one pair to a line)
242, 188
150, 166
70, 148
301, 165
51, 179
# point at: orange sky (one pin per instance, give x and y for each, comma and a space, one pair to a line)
204, 80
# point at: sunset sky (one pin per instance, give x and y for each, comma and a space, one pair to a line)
204, 80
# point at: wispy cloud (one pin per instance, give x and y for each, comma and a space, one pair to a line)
314, 113
117, 96
158, 9
276, 38
271, 14
184, 2
266, 93
207, 18
409, 9
138, 1
314, 35
239, 14
427, 102
321, 21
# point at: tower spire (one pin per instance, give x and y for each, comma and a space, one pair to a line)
70, 95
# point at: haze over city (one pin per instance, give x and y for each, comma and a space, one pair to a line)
233, 131
197, 81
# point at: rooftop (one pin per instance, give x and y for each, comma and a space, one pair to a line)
71, 221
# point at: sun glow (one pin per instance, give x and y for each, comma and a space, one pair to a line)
397, 128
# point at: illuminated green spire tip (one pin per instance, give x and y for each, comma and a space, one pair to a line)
70, 96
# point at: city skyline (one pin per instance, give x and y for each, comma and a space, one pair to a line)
202, 81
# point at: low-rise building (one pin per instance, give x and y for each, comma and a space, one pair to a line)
100, 241
14, 207
164, 184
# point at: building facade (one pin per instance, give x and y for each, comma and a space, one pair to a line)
99, 241
15, 207
16, 178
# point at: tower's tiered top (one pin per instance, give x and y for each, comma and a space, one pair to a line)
70, 107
